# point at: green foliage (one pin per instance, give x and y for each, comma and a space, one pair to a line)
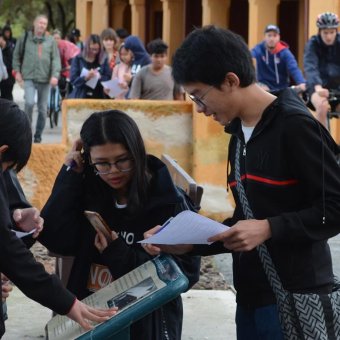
21, 13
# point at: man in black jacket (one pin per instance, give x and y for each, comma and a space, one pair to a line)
322, 64
6, 85
288, 170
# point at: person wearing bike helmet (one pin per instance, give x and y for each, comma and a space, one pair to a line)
322, 64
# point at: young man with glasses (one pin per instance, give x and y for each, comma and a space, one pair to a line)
294, 194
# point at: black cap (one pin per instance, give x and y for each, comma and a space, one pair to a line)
76, 32
272, 28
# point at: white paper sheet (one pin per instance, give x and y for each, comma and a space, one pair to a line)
113, 86
21, 234
187, 228
92, 83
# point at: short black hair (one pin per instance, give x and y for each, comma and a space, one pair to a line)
16, 132
157, 46
208, 54
122, 33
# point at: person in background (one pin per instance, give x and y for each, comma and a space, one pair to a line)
16, 261
131, 191
275, 63
36, 62
74, 37
155, 81
67, 51
139, 54
93, 59
6, 85
7, 32
322, 65
122, 71
109, 40
122, 34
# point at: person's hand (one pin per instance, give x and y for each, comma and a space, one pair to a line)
245, 235
74, 158
127, 77
123, 85
28, 219
91, 74
18, 78
82, 314
152, 249
301, 87
322, 92
6, 287
101, 242
54, 81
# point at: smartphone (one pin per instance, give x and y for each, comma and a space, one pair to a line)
99, 224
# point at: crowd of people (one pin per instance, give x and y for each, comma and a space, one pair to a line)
108, 171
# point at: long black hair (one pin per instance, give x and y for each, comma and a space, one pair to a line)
117, 127
15, 131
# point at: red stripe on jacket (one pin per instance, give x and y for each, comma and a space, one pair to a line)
266, 180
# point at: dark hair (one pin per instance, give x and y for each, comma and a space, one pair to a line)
76, 32
122, 33
15, 131
208, 54
157, 46
109, 34
117, 127
93, 39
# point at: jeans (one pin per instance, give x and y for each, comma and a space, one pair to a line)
43, 89
258, 323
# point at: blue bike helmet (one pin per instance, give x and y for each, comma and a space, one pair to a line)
327, 20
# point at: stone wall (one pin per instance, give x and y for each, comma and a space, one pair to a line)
197, 143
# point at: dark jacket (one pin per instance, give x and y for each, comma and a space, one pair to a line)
291, 178
140, 55
19, 265
68, 232
80, 89
322, 63
273, 68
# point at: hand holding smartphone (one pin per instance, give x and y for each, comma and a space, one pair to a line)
100, 225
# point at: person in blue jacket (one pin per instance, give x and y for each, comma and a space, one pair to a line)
275, 63
93, 60
322, 64
140, 56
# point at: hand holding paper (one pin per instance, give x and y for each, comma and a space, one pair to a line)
186, 228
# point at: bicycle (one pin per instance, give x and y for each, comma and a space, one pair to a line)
54, 106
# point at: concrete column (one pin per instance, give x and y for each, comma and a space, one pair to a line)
81, 16
261, 13
138, 18
173, 23
100, 16
117, 13
315, 8
216, 12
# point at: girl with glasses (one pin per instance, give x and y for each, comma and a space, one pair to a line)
110, 173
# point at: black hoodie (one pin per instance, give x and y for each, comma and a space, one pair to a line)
291, 178
68, 232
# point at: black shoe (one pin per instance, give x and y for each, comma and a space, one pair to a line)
37, 140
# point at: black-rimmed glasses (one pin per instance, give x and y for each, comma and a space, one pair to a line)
122, 165
199, 100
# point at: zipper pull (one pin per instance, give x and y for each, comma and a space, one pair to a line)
244, 150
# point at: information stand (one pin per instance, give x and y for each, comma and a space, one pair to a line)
136, 294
